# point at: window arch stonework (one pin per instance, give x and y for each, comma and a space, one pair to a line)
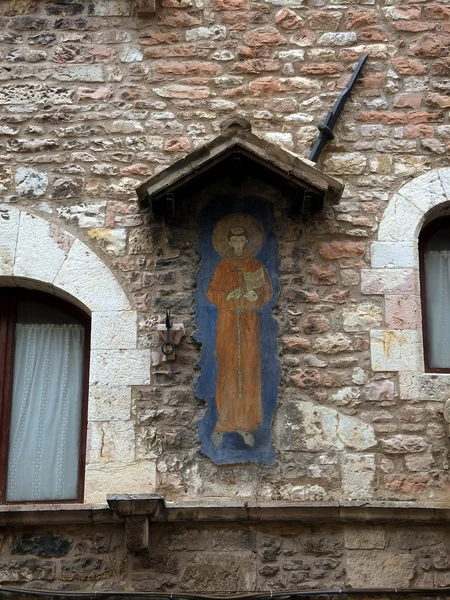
40, 255
394, 274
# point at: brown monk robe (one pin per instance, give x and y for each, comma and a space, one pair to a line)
239, 287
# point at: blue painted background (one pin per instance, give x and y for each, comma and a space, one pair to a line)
233, 449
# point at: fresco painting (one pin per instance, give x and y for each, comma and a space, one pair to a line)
237, 286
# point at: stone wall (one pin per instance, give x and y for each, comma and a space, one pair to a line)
227, 558
94, 100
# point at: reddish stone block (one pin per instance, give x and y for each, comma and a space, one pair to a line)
436, 11
413, 26
322, 20
336, 379
424, 117
403, 312
383, 117
230, 4
360, 18
267, 85
413, 132
430, 46
322, 275
177, 145
178, 18
265, 36
101, 53
373, 81
187, 68
137, 169
181, 50
297, 342
408, 66
340, 297
321, 68
316, 324
288, 19
439, 100
259, 52
306, 378
373, 34
236, 17
441, 67
408, 100
154, 37
341, 249
103, 93
410, 486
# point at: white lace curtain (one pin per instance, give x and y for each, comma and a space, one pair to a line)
437, 282
44, 435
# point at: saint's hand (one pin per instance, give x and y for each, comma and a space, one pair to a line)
236, 293
251, 296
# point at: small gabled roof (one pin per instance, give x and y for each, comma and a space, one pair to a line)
236, 138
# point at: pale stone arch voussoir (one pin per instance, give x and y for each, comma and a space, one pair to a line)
394, 274
38, 254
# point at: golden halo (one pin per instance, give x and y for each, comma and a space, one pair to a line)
253, 227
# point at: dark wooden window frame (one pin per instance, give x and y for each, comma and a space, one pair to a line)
427, 231
9, 298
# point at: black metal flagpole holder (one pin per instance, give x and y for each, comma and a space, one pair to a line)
326, 128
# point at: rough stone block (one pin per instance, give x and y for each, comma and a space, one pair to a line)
86, 568
363, 538
84, 73
35, 94
111, 441
396, 350
225, 572
24, 570
307, 426
120, 367
43, 258
115, 330
425, 192
380, 569
404, 444
9, 228
394, 255
87, 278
403, 312
114, 478
444, 176
389, 281
31, 183
362, 317
110, 8
424, 386
358, 473
401, 221
347, 163
48, 545
109, 402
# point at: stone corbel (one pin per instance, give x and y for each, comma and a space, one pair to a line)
138, 511
145, 8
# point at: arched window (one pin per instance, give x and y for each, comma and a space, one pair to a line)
434, 250
44, 354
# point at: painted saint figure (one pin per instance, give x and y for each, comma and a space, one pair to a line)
239, 287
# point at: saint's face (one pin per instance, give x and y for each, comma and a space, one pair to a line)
238, 243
